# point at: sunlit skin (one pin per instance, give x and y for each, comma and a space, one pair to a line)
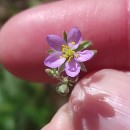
105, 22
23, 45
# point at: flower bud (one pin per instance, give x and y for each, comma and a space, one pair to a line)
50, 72
62, 89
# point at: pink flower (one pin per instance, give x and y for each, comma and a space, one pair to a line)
67, 52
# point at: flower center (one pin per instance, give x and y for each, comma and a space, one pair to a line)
67, 52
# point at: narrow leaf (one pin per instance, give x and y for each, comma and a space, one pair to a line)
83, 68
61, 68
83, 45
65, 36
50, 51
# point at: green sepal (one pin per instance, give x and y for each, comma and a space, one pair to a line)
95, 51
70, 84
83, 45
50, 51
65, 80
74, 80
61, 68
83, 68
65, 36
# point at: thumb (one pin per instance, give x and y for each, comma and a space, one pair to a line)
60, 121
98, 102
101, 102
23, 38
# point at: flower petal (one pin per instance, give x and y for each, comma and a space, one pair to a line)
84, 55
72, 68
74, 37
54, 60
55, 42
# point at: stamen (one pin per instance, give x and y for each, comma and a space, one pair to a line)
77, 55
69, 58
65, 56
67, 52
73, 43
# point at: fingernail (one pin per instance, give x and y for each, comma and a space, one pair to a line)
99, 102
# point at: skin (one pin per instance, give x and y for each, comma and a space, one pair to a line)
98, 102
23, 49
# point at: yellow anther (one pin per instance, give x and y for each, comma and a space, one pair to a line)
69, 58
67, 52
65, 56
77, 55
73, 43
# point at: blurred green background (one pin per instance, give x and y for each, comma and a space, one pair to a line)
24, 105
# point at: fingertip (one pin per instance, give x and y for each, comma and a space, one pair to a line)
60, 121
23, 42
101, 101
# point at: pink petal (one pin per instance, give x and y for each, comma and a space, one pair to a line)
55, 42
84, 55
54, 60
72, 68
74, 36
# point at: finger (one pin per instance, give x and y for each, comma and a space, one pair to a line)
60, 121
101, 102
23, 39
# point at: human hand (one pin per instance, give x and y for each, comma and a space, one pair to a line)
23, 49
